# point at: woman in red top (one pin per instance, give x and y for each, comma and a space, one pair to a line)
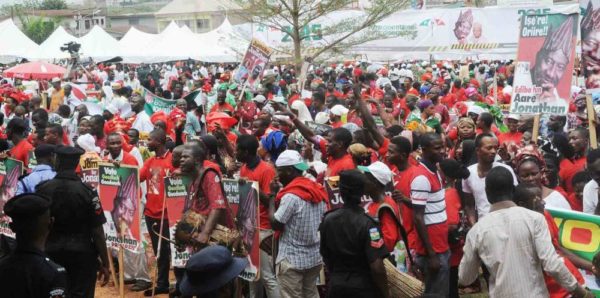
573, 155
529, 197
453, 172
579, 181
383, 207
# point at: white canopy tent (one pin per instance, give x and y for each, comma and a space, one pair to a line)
16, 44
99, 45
132, 42
50, 48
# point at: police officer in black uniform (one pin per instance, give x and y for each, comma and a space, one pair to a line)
77, 239
352, 246
28, 272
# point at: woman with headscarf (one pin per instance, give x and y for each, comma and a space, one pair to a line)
530, 166
464, 130
299, 108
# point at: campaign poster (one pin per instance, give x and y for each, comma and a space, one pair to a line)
10, 171
254, 63
176, 192
119, 191
89, 163
155, 103
31, 162
580, 233
243, 202
544, 66
590, 41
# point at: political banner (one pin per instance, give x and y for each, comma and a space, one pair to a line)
176, 192
590, 38
242, 197
89, 163
544, 66
448, 33
119, 192
155, 103
10, 171
254, 63
580, 233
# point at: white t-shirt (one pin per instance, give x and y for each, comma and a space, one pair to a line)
557, 201
476, 186
590, 197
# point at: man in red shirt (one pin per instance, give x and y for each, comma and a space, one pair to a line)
155, 169
431, 227
398, 156
569, 166
221, 105
115, 153
255, 169
15, 132
513, 136
383, 207
336, 147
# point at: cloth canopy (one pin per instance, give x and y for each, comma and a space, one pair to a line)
99, 45
15, 44
50, 48
38, 70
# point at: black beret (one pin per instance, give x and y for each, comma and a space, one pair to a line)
27, 205
68, 152
44, 150
352, 182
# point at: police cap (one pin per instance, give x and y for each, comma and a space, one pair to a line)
26, 206
44, 150
68, 152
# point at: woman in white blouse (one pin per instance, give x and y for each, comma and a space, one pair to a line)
529, 171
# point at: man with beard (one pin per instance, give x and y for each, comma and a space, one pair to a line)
552, 60
463, 25
590, 41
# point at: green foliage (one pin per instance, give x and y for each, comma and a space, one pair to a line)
37, 28
52, 4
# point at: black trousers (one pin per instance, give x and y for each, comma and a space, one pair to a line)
164, 261
81, 270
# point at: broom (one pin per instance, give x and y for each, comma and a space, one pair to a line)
401, 284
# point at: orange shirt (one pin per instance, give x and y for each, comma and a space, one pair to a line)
263, 173
21, 152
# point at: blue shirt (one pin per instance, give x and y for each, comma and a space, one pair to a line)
39, 174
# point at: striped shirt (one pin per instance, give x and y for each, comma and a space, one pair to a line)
426, 190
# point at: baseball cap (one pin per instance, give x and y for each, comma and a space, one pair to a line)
379, 170
514, 116
291, 158
339, 110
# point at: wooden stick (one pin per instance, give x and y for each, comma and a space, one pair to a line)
536, 128
111, 266
160, 241
591, 113
121, 274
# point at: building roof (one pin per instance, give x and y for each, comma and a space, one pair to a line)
63, 12
196, 6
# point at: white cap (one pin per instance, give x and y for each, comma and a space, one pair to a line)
475, 109
339, 110
291, 158
379, 170
55, 80
279, 99
88, 143
321, 118
260, 98
514, 116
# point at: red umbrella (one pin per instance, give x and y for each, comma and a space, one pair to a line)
35, 71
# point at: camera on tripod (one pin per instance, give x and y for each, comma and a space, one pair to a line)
71, 47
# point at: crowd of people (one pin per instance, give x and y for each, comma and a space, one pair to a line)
432, 177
